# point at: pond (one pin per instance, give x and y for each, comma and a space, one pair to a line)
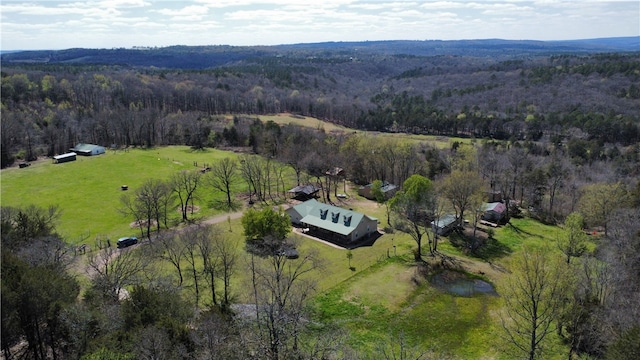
459, 284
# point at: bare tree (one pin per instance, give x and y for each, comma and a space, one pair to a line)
557, 173
148, 205
251, 170
216, 338
226, 251
534, 295
462, 189
154, 344
113, 269
280, 291
210, 261
191, 237
622, 253
222, 176
169, 247
519, 162
184, 184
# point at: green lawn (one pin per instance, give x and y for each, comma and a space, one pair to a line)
383, 303
88, 190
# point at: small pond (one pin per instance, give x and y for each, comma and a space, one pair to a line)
459, 284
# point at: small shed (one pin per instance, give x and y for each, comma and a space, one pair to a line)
494, 212
444, 224
304, 191
88, 149
387, 189
63, 158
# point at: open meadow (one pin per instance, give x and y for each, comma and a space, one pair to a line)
88, 191
440, 142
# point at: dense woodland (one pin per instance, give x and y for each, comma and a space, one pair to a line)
557, 135
592, 98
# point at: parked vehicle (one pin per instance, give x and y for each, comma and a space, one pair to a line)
127, 241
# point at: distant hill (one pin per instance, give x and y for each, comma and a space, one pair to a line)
203, 57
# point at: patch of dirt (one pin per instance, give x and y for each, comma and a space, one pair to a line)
141, 223
190, 209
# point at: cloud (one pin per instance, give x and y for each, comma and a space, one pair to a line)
49, 24
188, 13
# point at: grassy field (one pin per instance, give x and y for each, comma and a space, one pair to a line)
440, 142
88, 190
384, 303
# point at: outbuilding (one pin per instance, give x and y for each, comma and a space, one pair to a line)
63, 158
88, 149
494, 212
444, 224
387, 189
304, 192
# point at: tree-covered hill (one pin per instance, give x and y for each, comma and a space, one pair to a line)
204, 57
486, 88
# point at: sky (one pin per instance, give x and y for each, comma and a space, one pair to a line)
54, 25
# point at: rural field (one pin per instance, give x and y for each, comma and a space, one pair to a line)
375, 297
88, 190
440, 142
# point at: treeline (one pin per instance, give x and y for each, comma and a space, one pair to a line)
48, 108
44, 315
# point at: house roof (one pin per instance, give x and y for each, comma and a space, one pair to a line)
85, 147
386, 187
444, 221
497, 207
305, 189
329, 217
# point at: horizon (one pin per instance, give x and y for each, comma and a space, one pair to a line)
61, 24
323, 42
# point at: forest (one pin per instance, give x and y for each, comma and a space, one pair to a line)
591, 98
557, 134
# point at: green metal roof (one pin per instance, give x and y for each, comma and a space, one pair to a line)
329, 217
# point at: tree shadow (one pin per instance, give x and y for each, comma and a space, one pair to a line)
483, 248
222, 205
519, 231
492, 249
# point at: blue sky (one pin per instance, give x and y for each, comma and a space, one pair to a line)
30, 25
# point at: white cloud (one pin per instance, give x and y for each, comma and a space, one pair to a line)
63, 24
185, 11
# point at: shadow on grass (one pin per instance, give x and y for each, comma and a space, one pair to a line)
492, 249
519, 231
222, 205
486, 249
